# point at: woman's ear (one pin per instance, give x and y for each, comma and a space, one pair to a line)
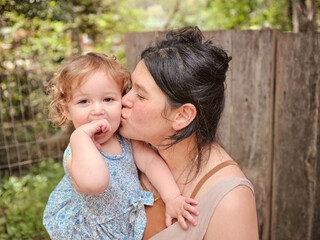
184, 116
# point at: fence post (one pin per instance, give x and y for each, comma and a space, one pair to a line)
296, 188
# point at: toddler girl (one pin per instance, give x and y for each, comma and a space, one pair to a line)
100, 196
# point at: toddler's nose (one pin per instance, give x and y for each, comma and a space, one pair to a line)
97, 110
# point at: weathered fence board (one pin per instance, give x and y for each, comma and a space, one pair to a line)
274, 138
252, 113
246, 125
295, 209
136, 42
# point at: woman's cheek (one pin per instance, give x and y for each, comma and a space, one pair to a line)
141, 112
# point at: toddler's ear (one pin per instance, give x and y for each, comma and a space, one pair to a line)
184, 116
65, 111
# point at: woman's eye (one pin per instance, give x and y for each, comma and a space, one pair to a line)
139, 96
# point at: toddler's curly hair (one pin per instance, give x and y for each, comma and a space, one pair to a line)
72, 74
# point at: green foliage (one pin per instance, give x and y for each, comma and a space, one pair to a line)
37, 36
23, 201
234, 14
49, 31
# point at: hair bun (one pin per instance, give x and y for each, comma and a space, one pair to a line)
185, 35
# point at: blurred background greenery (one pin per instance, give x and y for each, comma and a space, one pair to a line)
37, 36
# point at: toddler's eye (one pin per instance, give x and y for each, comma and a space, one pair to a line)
108, 99
83, 101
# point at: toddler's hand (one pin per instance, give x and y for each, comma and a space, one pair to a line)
181, 208
101, 126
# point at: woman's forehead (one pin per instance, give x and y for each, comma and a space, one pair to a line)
141, 75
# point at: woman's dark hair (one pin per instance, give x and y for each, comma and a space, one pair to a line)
190, 70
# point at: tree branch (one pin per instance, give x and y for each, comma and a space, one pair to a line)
172, 15
304, 17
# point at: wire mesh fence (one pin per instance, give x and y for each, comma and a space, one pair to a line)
27, 137
31, 149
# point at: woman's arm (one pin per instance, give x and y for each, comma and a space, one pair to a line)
86, 165
158, 173
235, 217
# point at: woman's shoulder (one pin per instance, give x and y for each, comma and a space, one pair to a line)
217, 172
236, 211
235, 215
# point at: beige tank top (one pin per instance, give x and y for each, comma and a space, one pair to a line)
207, 205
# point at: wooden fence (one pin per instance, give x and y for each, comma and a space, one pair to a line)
271, 124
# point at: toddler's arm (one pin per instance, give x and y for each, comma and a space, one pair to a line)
177, 206
86, 165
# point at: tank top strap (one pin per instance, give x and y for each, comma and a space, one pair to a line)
209, 174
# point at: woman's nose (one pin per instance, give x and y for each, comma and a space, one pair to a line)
127, 100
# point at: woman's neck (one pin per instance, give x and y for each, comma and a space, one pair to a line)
179, 157
182, 158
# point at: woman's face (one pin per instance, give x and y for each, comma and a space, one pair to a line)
143, 115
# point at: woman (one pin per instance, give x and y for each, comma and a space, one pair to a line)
175, 104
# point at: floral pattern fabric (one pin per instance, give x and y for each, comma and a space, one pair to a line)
116, 213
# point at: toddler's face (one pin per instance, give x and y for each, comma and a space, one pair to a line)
98, 97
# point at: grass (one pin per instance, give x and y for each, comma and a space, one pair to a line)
23, 200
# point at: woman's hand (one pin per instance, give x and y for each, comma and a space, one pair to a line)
182, 209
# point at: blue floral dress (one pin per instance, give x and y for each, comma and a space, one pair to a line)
117, 213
